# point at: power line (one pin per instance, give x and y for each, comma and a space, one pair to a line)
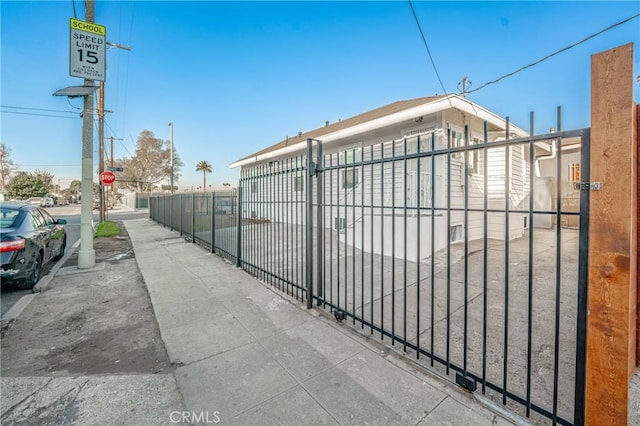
41, 115
624, 21
125, 148
37, 109
424, 40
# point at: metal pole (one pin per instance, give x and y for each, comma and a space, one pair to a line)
239, 226
101, 187
86, 255
171, 149
309, 223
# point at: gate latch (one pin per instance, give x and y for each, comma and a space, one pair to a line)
586, 186
313, 169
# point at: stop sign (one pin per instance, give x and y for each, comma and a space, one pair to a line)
107, 178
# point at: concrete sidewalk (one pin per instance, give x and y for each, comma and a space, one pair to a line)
249, 355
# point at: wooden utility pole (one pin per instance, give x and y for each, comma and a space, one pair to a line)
612, 239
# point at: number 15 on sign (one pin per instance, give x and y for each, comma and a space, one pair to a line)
87, 50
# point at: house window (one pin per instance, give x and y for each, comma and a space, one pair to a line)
457, 140
298, 183
350, 178
574, 172
475, 158
455, 234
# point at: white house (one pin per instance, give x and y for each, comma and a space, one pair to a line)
365, 190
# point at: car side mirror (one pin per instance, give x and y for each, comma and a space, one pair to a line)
61, 221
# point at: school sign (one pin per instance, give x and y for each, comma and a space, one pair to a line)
87, 50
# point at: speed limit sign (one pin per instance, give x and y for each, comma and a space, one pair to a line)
87, 50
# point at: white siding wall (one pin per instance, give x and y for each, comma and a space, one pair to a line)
404, 183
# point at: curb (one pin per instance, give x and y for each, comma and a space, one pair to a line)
44, 283
9, 318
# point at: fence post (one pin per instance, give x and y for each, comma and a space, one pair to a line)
180, 211
612, 238
239, 227
213, 222
310, 167
171, 212
320, 223
193, 218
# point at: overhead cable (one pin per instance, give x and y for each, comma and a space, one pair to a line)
610, 27
424, 40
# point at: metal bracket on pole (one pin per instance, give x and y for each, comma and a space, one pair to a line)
586, 186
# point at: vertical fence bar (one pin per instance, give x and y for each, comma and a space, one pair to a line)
181, 213
193, 218
346, 230
297, 250
583, 278
465, 168
320, 284
264, 223
433, 243
556, 355
290, 223
371, 200
382, 253
393, 243
418, 198
362, 238
530, 277
352, 169
309, 223
507, 200
281, 224
239, 227
448, 346
485, 247
213, 221
337, 229
404, 247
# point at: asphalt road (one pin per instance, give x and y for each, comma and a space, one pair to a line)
9, 295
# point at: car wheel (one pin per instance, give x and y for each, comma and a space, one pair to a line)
63, 247
34, 276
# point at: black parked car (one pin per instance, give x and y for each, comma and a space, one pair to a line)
30, 238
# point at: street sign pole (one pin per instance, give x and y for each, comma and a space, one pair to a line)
87, 60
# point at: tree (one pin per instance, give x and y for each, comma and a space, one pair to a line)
25, 185
75, 187
6, 166
204, 167
45, 177
150, 165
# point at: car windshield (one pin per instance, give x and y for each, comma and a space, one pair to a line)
8, 217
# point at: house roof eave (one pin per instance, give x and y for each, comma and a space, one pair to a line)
439, 104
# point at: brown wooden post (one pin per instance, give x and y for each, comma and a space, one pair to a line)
637, 133
612, 239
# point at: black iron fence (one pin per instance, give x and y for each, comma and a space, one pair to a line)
467, 253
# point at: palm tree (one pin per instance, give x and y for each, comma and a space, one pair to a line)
204, 167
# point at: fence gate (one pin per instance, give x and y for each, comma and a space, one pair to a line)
477, 268
469, 257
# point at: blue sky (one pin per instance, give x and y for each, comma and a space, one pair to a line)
235, 77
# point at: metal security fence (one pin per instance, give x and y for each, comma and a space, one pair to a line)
208, 219
467, 252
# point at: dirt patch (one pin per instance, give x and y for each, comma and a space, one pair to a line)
110, 249
99, 322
